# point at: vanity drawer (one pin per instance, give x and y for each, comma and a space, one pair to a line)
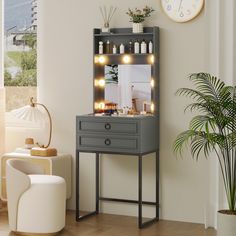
107, 143
108, 126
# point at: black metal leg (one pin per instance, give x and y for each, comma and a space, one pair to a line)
142, 224
78, 216
97, 182
157, 184
77, 186
140, 191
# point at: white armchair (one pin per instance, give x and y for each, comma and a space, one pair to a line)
36, 202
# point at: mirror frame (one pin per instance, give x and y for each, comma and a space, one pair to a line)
134, 59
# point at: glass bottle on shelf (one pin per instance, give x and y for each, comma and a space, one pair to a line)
108, 46
136, 47
100, 49
114, 49
150, 47
122, 49
131, 47
143, 47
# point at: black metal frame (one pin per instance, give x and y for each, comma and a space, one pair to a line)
140, 201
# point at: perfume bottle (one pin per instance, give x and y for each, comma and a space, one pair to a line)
150, 47
100, 50
136, 47
143, 47
122, 49
108, 46
131, 46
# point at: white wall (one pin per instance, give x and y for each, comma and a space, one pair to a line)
65, 86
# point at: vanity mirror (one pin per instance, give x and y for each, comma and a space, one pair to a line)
129, 86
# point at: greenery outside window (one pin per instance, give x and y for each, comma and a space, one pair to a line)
20, 53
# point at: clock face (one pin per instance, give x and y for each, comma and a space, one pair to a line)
182, 10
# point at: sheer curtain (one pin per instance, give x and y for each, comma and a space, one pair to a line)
2, 96
221, 33
2, 118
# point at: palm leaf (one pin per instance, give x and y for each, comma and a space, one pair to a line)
203, 122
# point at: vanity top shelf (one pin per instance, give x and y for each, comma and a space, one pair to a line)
123, 32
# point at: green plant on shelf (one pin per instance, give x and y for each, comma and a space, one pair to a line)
139, 15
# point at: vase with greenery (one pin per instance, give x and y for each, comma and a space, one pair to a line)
138, 16
213, 130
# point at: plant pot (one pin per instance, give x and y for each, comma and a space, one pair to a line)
226, 224
137, 27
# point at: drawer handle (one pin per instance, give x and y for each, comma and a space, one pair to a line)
107, 126
107, 142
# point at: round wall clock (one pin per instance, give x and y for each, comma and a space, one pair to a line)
182, 10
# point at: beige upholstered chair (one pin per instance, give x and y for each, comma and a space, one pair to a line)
36, 202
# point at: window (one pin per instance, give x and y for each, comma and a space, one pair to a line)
20, 52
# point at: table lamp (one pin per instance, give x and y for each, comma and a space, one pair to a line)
32, 113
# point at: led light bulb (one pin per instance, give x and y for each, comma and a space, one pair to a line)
96, 59
152, 107
102, 105
101, 83
152, 83
126, 59
152, 59
96, 106
101, 59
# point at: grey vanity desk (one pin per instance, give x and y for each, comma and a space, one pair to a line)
133, 135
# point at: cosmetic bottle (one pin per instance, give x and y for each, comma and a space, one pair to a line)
108, 46
122, 49
150, 47
100, 50
114, 50
136, 47
131, 46
143, 47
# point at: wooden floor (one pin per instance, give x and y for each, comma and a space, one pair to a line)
113, 225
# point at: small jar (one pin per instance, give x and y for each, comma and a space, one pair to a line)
29, 143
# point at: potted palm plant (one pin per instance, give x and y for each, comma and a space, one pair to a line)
214, 129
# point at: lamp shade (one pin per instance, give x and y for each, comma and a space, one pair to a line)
34, 114
29, 113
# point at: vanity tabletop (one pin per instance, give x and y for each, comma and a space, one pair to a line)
122, 116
